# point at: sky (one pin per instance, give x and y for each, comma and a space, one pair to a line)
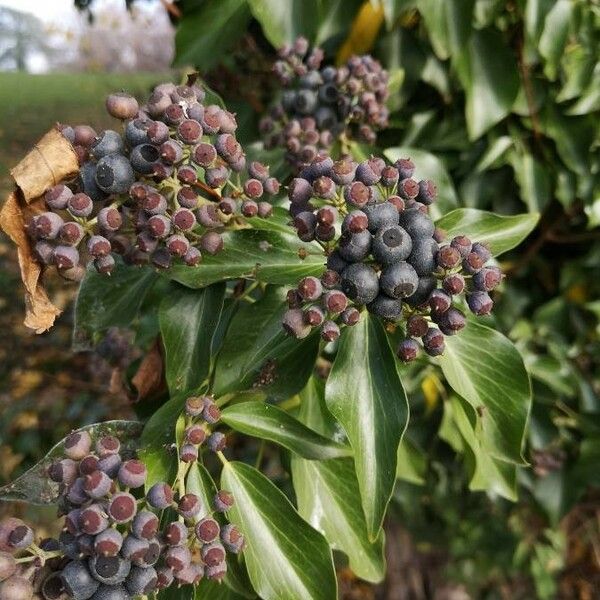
48, 11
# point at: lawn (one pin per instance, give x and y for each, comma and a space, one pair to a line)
31, 104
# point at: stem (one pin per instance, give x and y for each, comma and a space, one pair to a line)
259, 456
222, 458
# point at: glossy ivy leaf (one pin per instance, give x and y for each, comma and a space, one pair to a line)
412, 462
429, 166
104, 302
327, 495
488, 73
285, 556
188, 320
554, 36
199, 482
35, 487
208, 29
502, 233
486, 369
210, 590
257, 354
158, 437
283, 22
487, 473
327, 492
268, 422
448, 23
534, 181
364, 393
267, 256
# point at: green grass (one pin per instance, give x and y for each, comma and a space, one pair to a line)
32, 104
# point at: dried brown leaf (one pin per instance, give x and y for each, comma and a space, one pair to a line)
149, 376
51, 161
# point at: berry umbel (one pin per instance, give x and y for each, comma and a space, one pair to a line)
115, 544
162, 191
384, 253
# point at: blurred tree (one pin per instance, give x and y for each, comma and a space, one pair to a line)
21, 36
141, 39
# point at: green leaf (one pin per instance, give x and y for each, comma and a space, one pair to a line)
210, 590
495, 151
486, 369
502, 233
268, 422
199, 482
335, 18
412, 463
488, 73
285, 556
208, 29
188, 320
573, 137
429, 166
113, 301
487, 473
327, 492
157, 440
267, 256
448, 23
283, 22
35, 487
365, 394
534, 181
554, 36
257, 354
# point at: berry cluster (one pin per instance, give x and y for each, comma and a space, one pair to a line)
321, 104
383, 252
162, 190
116, 545
202, 414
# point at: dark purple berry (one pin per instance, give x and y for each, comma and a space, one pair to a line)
122, 507
97, 484
78, 445
92, 519
188, 453
216, 441
160, 496
408, 350
223, 501
293, 323
416, 326
433, 342
108, 542
480, 303
132, 473
175, 533
454, 284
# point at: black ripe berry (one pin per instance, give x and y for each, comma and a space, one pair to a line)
385, 307
360, 283
399, 280
381, 215
391, 244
